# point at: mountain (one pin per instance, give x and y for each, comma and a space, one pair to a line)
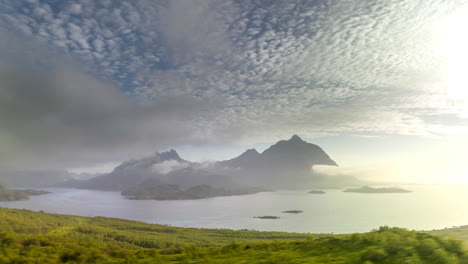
165, 168
297, 152
246, 159
293, 151
286, 164
131, 172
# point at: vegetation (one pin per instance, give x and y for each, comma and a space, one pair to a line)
460, 232
36, 237
367, 189
17, 195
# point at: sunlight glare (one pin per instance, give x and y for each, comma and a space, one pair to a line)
452, 44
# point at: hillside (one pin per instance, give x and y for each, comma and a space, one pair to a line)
460, 232
36, 237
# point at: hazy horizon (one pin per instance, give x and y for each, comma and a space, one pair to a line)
394, 167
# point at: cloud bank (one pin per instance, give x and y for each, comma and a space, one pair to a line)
53, 113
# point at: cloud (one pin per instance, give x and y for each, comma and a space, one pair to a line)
54, 115
168, 166
313, 68
75, 9
216, 71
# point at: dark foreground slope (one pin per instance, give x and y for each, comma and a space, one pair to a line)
30, 237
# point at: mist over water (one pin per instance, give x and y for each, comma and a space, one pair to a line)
427, 207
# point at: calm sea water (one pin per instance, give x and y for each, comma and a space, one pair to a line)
428, 207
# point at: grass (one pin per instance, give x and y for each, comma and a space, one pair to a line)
460, 233
37, 237
126, 233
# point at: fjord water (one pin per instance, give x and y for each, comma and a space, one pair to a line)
428, 207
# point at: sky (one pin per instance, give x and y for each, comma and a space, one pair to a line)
380, 85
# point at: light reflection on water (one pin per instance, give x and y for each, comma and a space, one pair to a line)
428, 207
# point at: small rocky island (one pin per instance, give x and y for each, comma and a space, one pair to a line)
367, 189
293, 212
316, 192
17, 195
267, 217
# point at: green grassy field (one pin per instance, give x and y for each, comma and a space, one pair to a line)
456, 232
36, 237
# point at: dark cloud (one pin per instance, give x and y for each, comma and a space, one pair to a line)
54, 115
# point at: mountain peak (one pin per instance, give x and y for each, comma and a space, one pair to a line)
248, 157
297, 150
295, 138
251, 151
248, 154
170, 155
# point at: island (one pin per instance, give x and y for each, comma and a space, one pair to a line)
17, 195
316, 192
152, 189
293, 212
267, 217
367, 189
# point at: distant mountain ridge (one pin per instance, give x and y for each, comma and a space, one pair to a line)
286, 164
299, 150
293, 150
132, 172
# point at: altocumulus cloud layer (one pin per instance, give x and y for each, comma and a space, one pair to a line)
86, 81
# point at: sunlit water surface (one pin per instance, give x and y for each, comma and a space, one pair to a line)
428, 207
